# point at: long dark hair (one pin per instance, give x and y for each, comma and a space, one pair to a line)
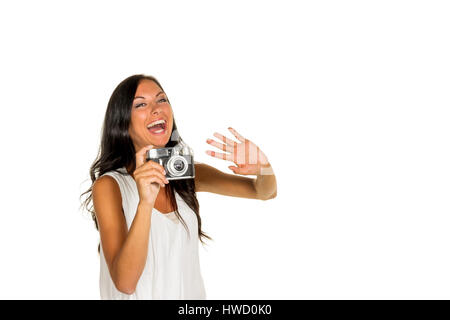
117, 150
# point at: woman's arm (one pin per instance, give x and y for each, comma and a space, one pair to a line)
266, 184
249, 160
125, 251
210, 179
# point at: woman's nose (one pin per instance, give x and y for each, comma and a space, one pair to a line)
156, 110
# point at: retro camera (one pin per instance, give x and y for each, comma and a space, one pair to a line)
178, 161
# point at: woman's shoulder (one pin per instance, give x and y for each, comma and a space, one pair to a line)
110, 179
106, 186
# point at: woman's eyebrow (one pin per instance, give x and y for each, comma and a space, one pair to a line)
139, 97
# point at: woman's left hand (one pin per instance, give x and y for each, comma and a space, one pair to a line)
248, 158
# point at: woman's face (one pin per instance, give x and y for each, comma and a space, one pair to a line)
151, 116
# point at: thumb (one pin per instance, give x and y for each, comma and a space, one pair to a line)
141, 155
233, 168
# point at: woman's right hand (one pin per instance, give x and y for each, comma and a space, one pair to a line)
149, 177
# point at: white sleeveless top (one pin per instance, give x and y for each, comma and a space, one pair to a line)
172, 270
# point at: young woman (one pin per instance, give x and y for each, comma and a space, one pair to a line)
149, 225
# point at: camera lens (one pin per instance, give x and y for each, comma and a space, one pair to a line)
178, 165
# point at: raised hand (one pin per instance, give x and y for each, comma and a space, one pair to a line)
247, 157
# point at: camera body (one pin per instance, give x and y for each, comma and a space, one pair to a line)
178, 161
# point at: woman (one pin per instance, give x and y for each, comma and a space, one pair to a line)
144, 251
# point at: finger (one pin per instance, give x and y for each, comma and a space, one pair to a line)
140, 155
154, 172
236, 134
156, 180
224, 139
234, 169
153, 164
149, 165
153, 179
240, 170
221, 146
219, 155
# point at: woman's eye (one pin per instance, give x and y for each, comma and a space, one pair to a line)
144, 104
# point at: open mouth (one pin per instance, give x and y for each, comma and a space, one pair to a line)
157, 127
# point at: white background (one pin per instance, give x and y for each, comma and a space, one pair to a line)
348, 99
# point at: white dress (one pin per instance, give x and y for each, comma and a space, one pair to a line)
172, 270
